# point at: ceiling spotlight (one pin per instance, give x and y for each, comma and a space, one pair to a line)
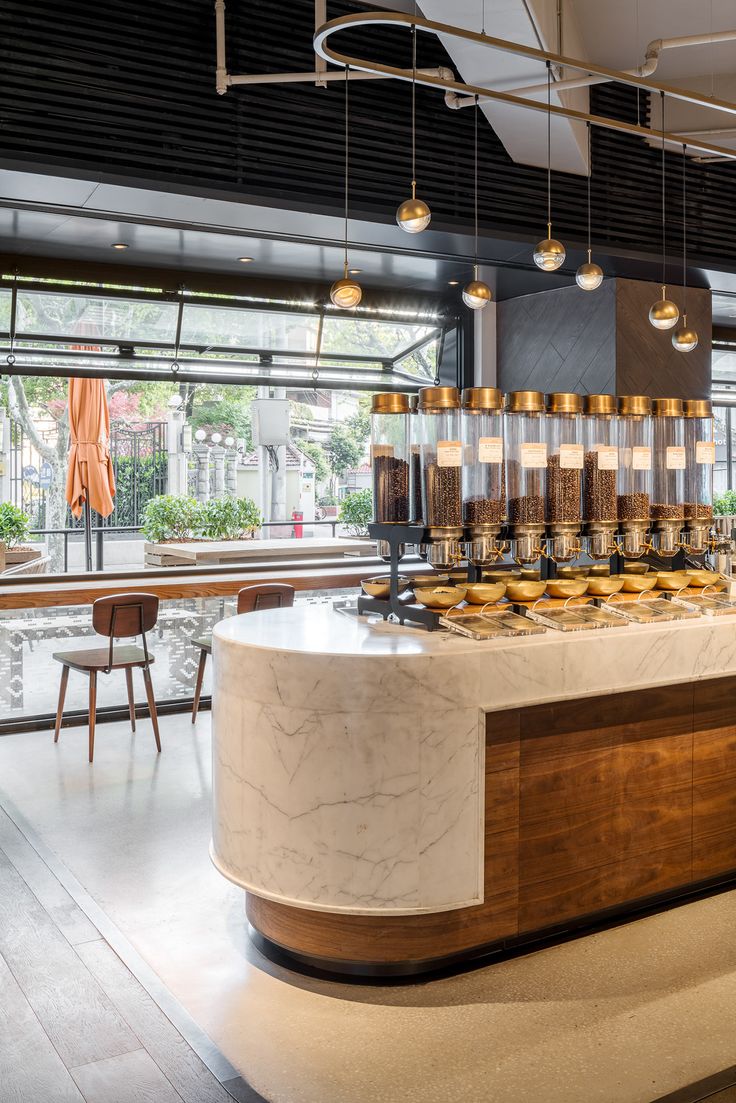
355, 271
664, 314
476, 294
549, 254
684, 339
119, 245
453, 283
245, 260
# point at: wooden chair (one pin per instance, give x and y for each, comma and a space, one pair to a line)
118, 617
251, 599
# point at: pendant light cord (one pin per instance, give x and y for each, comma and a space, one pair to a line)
475, 177
414, 108
684, 230
590, 173
549, 150
347, 158
664, 237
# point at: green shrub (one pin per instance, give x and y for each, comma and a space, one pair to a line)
14, 525
356, 511
230, 518
171, 517
725, 504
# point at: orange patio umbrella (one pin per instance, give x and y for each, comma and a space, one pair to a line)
90, 481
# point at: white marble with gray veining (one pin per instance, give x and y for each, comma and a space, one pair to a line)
349, 757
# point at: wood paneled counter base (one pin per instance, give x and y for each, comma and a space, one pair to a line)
592, 806
392, 800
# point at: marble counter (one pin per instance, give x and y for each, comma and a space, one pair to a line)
349, 757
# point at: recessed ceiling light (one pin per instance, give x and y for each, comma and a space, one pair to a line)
355, 271
453, 283
245, 260
119, 245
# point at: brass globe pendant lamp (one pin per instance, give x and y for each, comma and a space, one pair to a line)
549, 254
346, 293
413, 215
589, 276
664, 314
476, 294
684, 339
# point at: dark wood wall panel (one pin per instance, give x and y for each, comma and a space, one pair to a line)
714, 778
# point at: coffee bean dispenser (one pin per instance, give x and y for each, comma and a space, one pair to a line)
600, 471
441, 454
565, 461
484, 500
526, 473
670, 463
390, 461
701, 456
634, 483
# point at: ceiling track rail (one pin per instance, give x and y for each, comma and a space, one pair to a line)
328, 30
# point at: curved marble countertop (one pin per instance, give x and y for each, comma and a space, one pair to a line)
349, 756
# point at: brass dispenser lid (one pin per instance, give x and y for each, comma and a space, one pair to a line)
392, 403
698, 407
564, 402
439, 398
634, 404
482, 398
668, 407
520, 401
600, 404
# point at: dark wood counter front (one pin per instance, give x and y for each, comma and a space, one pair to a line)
593, 807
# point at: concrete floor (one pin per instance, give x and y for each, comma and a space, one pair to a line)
623, 1016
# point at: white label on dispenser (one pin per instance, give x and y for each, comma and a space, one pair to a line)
534, 455
571, 456
705, 451
676, 460
641, 458
607, 457
449, 453
490, 450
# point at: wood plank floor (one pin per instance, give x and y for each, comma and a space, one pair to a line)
75, 1024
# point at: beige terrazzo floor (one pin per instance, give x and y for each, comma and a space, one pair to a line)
622, 1016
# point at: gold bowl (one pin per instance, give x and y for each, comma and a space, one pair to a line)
440, 597
672, 580
605, 586
567, 587
484, 593
380, 586
636, 568
639, 583
500, 576
458, 576
529, 575
427, 581
599, 570
574, 572
524, 589
703, 578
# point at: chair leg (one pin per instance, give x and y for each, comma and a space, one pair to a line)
152, 705
92, 712
198, 686
131, 699
60, 707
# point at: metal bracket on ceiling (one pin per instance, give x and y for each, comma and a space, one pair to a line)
358, 65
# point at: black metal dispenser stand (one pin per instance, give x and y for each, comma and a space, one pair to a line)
395, 535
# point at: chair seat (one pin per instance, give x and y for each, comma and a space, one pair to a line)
97, 658
203, 642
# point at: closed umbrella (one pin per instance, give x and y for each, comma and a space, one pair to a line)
90, 481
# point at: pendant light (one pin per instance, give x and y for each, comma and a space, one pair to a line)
346, 293
549, 255
476, 294
664, 314
684, 339
413, 215
589, 276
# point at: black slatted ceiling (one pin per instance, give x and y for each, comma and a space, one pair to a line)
128, 89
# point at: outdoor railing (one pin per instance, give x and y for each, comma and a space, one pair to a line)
98, 531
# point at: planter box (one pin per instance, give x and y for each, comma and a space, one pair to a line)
14, 556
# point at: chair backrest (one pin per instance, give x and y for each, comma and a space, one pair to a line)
125, 614
267, 595
31, 566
